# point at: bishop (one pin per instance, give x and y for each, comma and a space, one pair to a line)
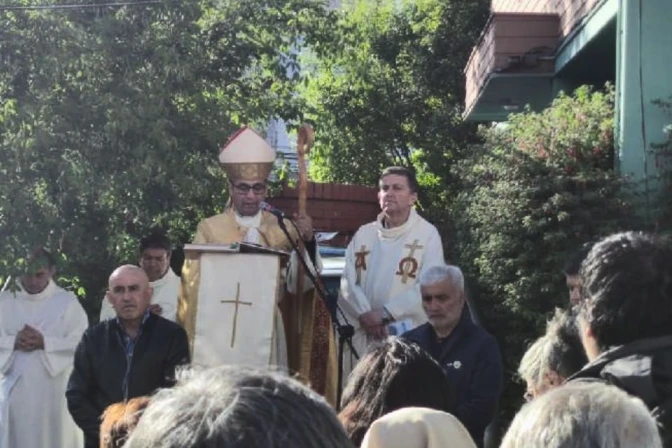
247, 160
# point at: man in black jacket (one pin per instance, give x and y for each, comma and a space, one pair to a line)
469, 354
625, 319
124, 357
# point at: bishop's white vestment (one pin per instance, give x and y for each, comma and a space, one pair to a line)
33, 410
166, 291
382, 267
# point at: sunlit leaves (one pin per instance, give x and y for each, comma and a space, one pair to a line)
111, 119
390, 92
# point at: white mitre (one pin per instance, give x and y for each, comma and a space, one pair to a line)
247, 156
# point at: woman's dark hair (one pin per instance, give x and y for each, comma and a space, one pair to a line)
395, 375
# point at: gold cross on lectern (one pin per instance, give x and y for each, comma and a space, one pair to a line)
237, 302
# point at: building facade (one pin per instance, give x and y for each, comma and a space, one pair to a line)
532, 49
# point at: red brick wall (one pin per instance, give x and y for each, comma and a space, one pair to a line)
333, 207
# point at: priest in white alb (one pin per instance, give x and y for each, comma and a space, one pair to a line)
155, 251
248, 160
383, 262
40, 326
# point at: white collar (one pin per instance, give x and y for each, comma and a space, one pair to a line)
396, 232
248, 221
45, 293
169, 275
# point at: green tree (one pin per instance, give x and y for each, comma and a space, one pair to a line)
110, 120
391, 92
660, 185
538, 188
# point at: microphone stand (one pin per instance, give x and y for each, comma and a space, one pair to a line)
345, 331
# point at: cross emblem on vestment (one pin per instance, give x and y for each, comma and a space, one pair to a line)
408, 266
413, 247
360, 262
237, 302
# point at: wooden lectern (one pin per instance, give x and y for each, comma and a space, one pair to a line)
229, 308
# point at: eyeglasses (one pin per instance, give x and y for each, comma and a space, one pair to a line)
244, 189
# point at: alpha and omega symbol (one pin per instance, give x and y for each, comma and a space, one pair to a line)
408, 266
360, 262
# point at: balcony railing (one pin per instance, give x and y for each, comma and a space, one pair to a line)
511, 43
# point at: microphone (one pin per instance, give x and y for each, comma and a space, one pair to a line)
263, 205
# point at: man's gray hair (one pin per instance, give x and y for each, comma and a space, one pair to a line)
236, 407
436, 274
583, 415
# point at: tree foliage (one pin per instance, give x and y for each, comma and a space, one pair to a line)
539, 187
660, 185
110, 119
391, 92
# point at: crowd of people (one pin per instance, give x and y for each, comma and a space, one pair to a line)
420, 373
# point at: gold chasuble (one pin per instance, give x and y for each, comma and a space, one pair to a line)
306, 327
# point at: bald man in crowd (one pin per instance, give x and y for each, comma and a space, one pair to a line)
126, 357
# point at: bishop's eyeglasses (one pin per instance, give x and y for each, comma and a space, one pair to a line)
243, 188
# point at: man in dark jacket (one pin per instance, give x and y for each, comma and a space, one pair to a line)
124, 357
625, 319
469, 355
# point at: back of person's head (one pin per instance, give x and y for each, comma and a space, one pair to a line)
119, 420
583, 415
417, 428
394, 375
236, 407
554, 357
565, 353
627, 289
